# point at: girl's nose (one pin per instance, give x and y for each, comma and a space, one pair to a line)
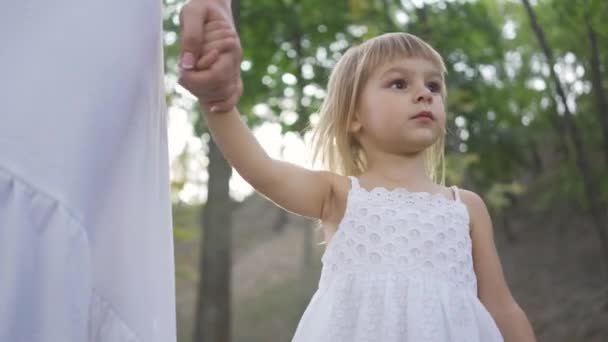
424, 95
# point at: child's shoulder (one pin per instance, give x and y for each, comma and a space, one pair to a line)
475, 204
470, 197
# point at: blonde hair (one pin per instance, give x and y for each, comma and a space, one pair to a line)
333, 143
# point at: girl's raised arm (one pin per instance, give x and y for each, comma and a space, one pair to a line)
297, 189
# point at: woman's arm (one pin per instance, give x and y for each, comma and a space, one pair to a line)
492, 287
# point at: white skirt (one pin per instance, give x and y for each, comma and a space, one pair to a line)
85, 222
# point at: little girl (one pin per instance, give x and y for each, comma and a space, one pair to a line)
407, 259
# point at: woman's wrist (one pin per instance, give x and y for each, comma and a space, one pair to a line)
224, 4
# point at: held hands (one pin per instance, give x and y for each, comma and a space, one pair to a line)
211, 55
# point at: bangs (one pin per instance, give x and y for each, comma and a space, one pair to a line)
390, 47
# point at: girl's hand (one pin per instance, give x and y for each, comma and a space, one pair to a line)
219, 38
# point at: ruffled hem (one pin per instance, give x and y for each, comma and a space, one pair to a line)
395, 308
45, 267
106, 325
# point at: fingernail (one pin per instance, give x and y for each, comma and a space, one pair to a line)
213, 109
187, 60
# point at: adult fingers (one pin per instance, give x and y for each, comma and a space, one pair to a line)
207, 60
216, 24
192, 19
221, 14
223, 45
205, 85
219, 34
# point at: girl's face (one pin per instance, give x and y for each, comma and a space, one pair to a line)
401, 109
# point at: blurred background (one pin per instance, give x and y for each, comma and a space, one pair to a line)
528, 130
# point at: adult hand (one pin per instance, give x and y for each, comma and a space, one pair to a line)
210, 54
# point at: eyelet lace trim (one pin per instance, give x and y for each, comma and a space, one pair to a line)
380, 195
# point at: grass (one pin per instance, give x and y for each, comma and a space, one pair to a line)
274, 313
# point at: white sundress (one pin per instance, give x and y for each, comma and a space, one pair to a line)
86, 251
398, 269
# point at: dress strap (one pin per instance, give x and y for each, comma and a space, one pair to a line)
354, 183
456, 193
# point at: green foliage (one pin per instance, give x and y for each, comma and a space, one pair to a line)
283, 40
503, 109
500, 195
459, 163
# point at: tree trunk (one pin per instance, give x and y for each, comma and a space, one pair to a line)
302, 122
212, 323
506, 227
558, 125
213, 306
598, 87
507, 214
537, 160
582, 161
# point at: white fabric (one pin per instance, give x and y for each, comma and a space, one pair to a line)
398, 269
85, 223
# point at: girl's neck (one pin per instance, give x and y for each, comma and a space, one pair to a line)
398, 171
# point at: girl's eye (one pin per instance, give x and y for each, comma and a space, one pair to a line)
398, 84
434, 87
